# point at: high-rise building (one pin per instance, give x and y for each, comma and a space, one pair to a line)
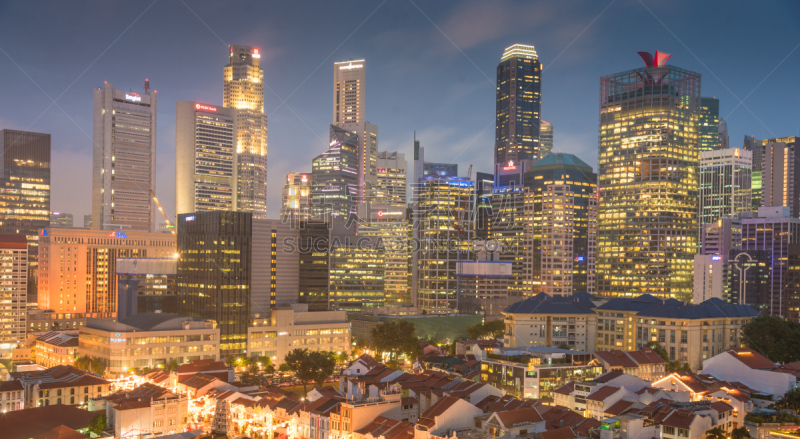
724, 235
296, 197
780, 174
774, 231
710, 279
484, 183
233, 269
61, 219
708, 125
560, 226
87, 221
13, 291
349, 86
724, 138
356, 276
443, 224
757, 148
389, 223
26, 192
205, 158
519, 88
244, 90
648, 184
314, 247
124, 163
392, 183
749, 278
334, 185
545, 138
725, 183
78, 267
507, 229
146, 285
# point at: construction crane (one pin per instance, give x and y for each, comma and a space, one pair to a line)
161, 209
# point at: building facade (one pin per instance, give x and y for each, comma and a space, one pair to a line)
708, 125
389, 225
205, 157
780, 174
755, 146
334, 173
124, 163
725, 183
26, 192
296, 204
545, 138
560, 226
146, 285
243, 89
13, 292
443, 221
78, 271
648, 185
148, 340
356, 277
518, 102
61, 219
392, 185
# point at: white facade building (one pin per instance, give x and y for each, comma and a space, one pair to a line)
709, 278
13, 291
124, 159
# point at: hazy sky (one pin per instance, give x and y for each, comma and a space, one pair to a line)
430, 68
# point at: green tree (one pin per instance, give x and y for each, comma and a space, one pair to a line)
342, 357
173, 365
394, 338
740, 433
98, 424
323, 366
490, 330
89, 364
230, 361
790, 400
773, 337
716, 433
672, 365
270, 369
265, 361
285, 368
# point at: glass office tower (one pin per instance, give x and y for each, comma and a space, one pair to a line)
648, 185
519, 87
708, 126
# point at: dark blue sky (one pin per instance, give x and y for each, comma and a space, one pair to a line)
430, 68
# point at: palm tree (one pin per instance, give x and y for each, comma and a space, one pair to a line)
716, 433
230, 361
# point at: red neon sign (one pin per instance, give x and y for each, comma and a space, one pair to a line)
510, 166
204, 107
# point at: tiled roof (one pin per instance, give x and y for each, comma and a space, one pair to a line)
62, 432
552, 305
558, 416
634, 304
619, 407
646, 355
566, 389
615, 358
602, 393
199, 381
36, 421
509, 418
679, 419
608, 376
327, 391
62, 339
751, 358
711, 308
584, 426
691, 381
7, 386
720, 406
437, 409
559, 433
201, 366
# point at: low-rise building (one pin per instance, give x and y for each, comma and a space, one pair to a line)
148, 340
450, 414
644, 363
147, 411
61, 385
43, 320
292, 327
55, 348
751, 368
54, 421
536, 372
551, 321
11, 396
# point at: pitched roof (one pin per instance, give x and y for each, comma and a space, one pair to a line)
679, 419
619, 407
558, 416
608, 376
62, 339
646, 355
711, 308
327, 391
6, 386
201, 366
720, 406
615, 358
562, 160
559, 433
149, 320
566, 389
634, 304
525, 415
199, 381
751, 358
32, 422
552, 305
602, 393
584, 426
62, 432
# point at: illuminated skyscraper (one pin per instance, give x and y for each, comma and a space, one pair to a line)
443, 223
124, 164
780, 174
334, 177
13, 291
648, 185
559, 227
25, 195
392, 186
519, 89
349, 81
390, 224
244, 90
724, 138
545, 138
708, 125
296, 197
724, 183
757, 148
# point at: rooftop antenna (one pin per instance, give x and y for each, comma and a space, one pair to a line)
146, 86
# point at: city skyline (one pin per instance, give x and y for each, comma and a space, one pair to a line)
449, 123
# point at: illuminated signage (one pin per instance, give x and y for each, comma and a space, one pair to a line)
382, 213
510, 166
351, 66
256, 53
715, 258
133, 97
44, 232
580, 258
119, 235
205, 107
381, 169
189, 218
117, 340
